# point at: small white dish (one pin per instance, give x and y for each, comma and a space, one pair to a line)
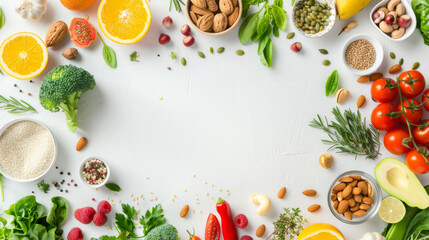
8, 176
81, 169
379, 54
331, 4
408, 10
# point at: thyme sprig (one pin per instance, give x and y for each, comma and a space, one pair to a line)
350, 134
289, 225
15, 106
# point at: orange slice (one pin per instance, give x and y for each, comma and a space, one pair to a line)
321, 231
124, 21
23, 55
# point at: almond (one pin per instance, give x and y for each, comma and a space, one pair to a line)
200, 11
352, 202
310, 193
343, 206
356, 177
233, 17
281, 193
370, 190
354, 183
348, 215
350, 196
340, 195
347, 191
357, 190
395, 69
339, 187
364, 186
367, 200
335, 204
184, 211
363, 79
333, 197
365, 207
260, 231
81, 143
375, 76
358, 198
56, 33
313, 208
355, 208
194, 17
345, 179
359, 213
361, 100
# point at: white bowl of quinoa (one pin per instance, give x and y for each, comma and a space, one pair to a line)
362, 54
27, 150
94, 172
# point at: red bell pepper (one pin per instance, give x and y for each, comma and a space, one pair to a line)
212, 228
228, 228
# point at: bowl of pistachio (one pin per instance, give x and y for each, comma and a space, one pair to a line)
313, 18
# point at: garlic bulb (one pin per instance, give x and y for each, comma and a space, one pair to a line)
372, 236
31, 9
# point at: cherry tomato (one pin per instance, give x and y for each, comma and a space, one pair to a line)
393, 141
383, 122
413, 111
412, 83
416, 162
192, 236
421, 136
425, 99
212, 228
384, 90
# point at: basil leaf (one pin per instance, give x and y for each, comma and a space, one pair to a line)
263, 41
263, 24
246, 6
113, 187
1, 18
266, 57
331, 85
421, 9
278, 3
109, 56
279, 16
248, 28
276, 31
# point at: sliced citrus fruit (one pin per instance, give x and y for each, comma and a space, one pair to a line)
124, 21
320, 231
23, 55
392, 210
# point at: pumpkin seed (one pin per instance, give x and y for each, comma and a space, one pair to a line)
392, 55
416, 65
183, 61
211, 50
220, 50
326, 62
239, 52
401, 61
201, 54
323, 51
290, 35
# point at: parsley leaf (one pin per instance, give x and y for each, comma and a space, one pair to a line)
133, 57
173, 56
152, 219
124, 222
44, 187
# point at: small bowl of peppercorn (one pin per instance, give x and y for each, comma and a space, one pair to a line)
94, 172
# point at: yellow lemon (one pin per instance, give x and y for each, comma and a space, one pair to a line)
321, 231
348, 8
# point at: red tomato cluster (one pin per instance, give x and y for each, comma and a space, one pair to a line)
409, 113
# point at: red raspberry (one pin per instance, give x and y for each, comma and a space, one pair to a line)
75, 234
241, 221
99, 219
104, 207
84, 215
246, 238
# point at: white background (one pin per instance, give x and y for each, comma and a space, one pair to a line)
228, 119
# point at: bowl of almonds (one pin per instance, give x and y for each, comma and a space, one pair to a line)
354, 197
214, 17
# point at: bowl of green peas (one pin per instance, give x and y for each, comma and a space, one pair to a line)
313, 18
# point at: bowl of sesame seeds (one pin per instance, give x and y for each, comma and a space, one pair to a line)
94, 172
362, 54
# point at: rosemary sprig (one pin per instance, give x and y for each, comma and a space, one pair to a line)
289, 225
349, 134
15, 106
176, 5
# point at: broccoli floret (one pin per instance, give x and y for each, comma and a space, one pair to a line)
163, 232
61, 89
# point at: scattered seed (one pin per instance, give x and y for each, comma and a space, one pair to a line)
141, 195
326, 62
31, 81
211, 50
151, 199
392, 55
416, 65
212, 198
401, 61
132, 195
220, 50
290, 35
185, 190
147, 178
201, 54
207, 194
174, 195
151, 192
29, 94
183, 61
323, 51
239, 52
15, 85
194, 176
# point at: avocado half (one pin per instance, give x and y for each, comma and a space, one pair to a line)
397, 180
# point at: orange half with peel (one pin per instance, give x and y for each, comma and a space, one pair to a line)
320, 231
124, 21
23, 55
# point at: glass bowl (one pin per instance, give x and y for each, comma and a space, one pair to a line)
377, 197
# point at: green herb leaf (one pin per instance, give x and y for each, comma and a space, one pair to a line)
276, 31
331, 85
58, 213
109, 56
177, 4
125, 222
263, 24
278, 3
1, 18
173, 56
266, 57
152, 219
43, 186
248, 28
15, 106
279, 16
421, 9
289, 224
264, 41
133, 57
113, 187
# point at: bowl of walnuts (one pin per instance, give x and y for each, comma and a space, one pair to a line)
214, 17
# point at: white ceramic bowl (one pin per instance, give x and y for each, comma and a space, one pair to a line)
331, 3
83, 164
55, 150
408, 10
379, 52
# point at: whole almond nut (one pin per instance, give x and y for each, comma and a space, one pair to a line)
342, 95
184, 211
370, 190
205, 23
375, 76
281, 193
335, 204
313, 208
339, 187
348, 215
199, 3
260, 231
357, 190
367, 200
333, 197
363, 79
364, 187
395, 69
56, 33
70, 53
355, 208
343, 206
365, 207
235, 3
354, 183
361, 100
352, 202
358, 198
359, 213
347, 191
226, 6
350, 196
310, 193
194, 17
212, 5
340, 196
233, 17
356, 177
200, 11
81, 143
220, 22
345, 180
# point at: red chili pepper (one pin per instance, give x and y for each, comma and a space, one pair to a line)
212, 228
228, 228
192, 236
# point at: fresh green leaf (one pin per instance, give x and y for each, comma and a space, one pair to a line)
177, 4
124, 224
289, 224
1, 18
133, 57
109, 56
129, 211
113, 187
152, 219
419, 226
248, 28
58, 213
15, 106
331, 85
276, 31
173, 56
264, 41
293, 2
44, 187
266, 57
263, 24
278, 3
279, 16
421, 9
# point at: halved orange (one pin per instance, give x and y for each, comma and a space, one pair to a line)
124, 21
23, 55
320, 231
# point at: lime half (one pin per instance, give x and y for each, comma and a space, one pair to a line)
392, 210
